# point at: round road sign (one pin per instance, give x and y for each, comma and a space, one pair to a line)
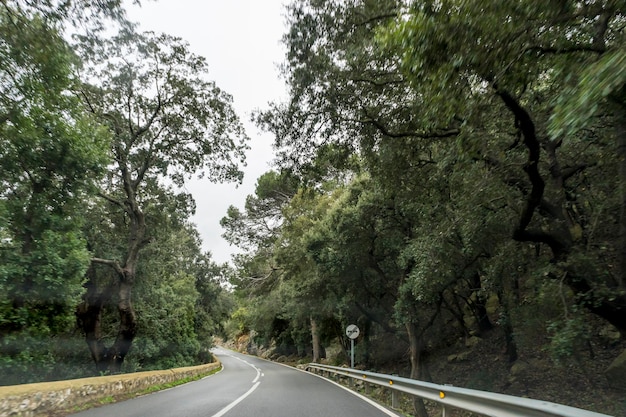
352, 331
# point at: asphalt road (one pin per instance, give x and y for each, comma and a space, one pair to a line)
248, 386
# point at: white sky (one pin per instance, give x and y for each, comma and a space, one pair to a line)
241, 41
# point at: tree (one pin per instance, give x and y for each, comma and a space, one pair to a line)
354, 247
464, 54
178, 301
257, 229
167, 122
494, 143
84, 14
341, 85
257, 226
215, 304
348, 95
51, 155
305, 291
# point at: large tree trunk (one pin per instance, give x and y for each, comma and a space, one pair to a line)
365, 325
98, 295
90, 312
479, 307
89, 319
127, 328
419, 370
558, 236
315, 340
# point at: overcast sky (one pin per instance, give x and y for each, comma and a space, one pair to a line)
241, 41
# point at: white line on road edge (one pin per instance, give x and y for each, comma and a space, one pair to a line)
361, 396
237, 401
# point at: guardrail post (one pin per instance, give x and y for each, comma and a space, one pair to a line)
395, 399
445, 411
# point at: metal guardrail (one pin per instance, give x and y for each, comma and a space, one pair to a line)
450, 397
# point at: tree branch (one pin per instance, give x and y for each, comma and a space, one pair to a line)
544, 50
527, 127
409, 134
571, 171
145, 165
377, 83
111, 200
113, 264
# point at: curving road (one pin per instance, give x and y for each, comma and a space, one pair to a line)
248, 386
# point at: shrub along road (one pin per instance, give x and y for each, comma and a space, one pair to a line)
248, 386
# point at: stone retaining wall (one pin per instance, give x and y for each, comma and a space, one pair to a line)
52, 398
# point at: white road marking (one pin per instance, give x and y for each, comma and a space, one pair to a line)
256, 383
363, 397
258, 375
237, 401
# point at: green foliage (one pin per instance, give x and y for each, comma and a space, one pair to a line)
81, 15
255, 228
180, 303
58, 136
425, 130
31, 356
166, 313
568, 337
179, 124
215, 303
596, 82
168, 123
241, 320
51, 155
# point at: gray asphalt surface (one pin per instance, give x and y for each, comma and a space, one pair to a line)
247, 386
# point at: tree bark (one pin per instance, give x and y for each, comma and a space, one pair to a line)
557, 236
507, 327
89, 319
365, 325
418, 367
127, 328
315, 339
620, 130
111, 359
478, 307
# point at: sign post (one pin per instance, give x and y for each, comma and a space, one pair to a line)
352, 331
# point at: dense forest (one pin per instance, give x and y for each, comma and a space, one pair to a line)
448, 173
